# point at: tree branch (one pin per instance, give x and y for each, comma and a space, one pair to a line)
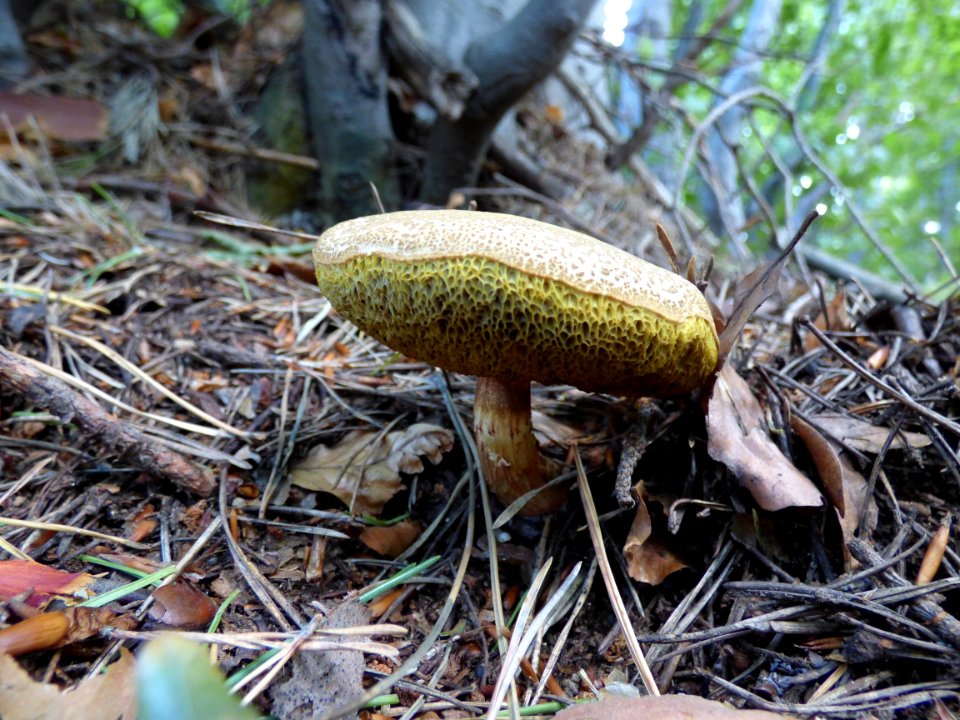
508, 62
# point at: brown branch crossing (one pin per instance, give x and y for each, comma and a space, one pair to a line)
98, 425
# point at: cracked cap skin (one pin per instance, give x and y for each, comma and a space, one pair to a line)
502, 296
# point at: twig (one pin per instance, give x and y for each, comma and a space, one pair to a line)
97, 424
945, 625
590, 510
893, 392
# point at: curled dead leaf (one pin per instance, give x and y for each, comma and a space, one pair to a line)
863, 435
825, 458
649, 558
391, 540
844, 486
738, 439
363, 469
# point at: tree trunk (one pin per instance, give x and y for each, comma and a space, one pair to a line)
508, 62
724, 203
345, 82
14, 62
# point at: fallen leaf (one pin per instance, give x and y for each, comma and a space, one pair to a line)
391, 540
649, 559
846, 488
45, 583
182, 605
663, 707
59, 118
363, 469
863, 435
826, 459
757, 287
107, 695
833, 317
737, 438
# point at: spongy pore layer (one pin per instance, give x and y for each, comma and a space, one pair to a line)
473, 310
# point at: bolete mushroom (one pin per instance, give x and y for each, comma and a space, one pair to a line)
513, 300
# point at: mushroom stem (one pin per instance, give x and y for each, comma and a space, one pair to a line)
511, 462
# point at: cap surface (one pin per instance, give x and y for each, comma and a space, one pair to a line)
502, 296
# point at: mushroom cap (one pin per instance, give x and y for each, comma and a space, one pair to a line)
502, 296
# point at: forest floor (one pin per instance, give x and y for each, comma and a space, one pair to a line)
174, 392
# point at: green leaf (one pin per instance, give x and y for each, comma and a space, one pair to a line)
176, 680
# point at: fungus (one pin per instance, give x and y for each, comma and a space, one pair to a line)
513, 300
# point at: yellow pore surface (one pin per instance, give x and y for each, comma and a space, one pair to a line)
502, 296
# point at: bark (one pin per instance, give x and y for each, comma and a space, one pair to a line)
14, 62
345, 83
507, 62
723, 202
446, 84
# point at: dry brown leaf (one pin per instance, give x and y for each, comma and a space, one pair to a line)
391, 540
737, 438
863, 435
363, 468
844, 485
664, 707
825, 458
649, 559
833, 317
45, 583
59, 118
180, 604
108, 695
856, 496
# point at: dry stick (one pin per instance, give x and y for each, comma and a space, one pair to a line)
607, 572
273, 600
945, 625
58, 398
893, 392
125, 364
71, 530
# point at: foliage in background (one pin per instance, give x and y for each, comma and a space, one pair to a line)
883, 118
163, 16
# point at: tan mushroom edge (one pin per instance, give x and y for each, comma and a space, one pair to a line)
518, 299
513, 299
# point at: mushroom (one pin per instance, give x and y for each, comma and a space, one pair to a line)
513, 300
